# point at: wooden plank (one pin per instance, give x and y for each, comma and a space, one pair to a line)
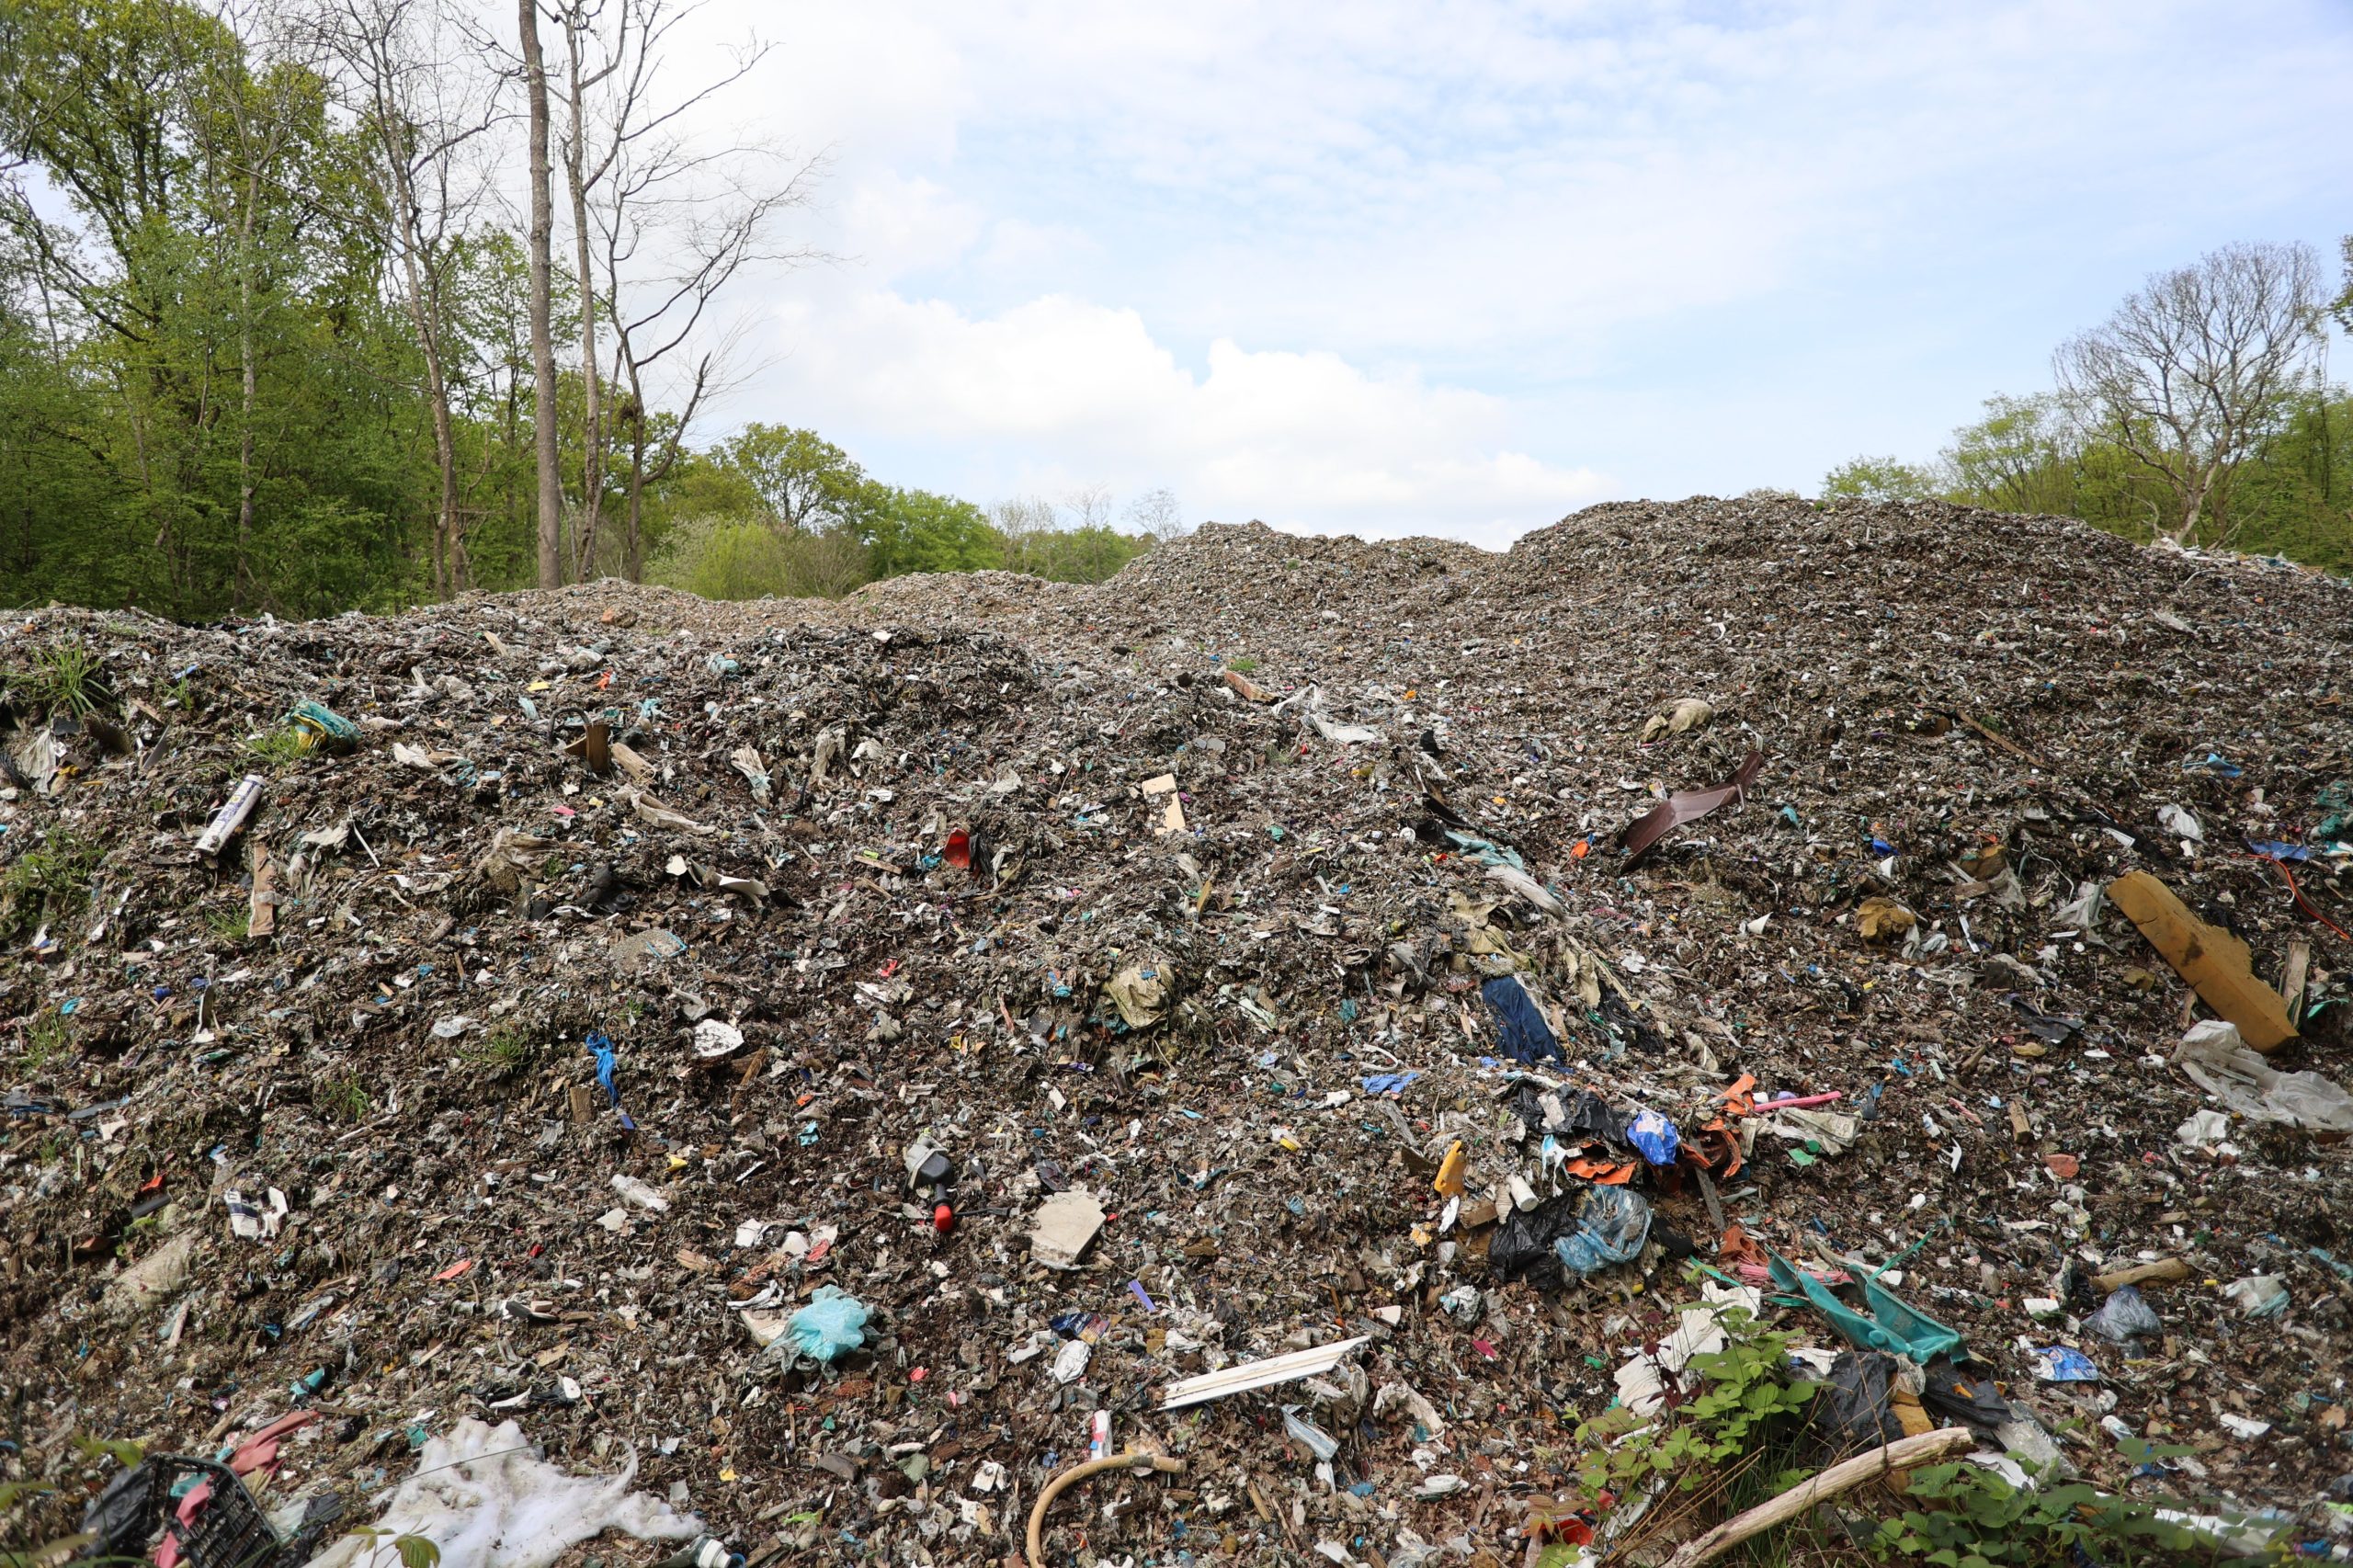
2215, 964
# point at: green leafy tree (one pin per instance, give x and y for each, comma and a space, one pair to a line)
1878, 479
804, 482
915, 530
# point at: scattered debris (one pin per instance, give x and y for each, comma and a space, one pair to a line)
1098, 1012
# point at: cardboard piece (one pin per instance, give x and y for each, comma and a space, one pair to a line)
1066, 1222
2214, 962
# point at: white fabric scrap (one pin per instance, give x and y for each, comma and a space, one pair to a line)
479, 1495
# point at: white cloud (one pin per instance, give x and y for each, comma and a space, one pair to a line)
1438, 263
1082, 392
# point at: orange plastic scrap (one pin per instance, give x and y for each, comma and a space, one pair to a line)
1740, 1098
1716, 1147
1739, 1247
1601, 1173
1449, 1173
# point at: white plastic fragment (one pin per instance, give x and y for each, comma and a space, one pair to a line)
480, 1496
637, 1192
1259, 1374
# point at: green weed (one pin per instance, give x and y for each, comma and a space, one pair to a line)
234, 923
46, 882
67, 676
279, 749
408, 1550
1974, 1518
346, 1098
1242, 666
500, 1054
1733, 1434
47, 1041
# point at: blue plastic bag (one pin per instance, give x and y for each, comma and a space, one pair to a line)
1612, 1224
1655, 1137
832, 1324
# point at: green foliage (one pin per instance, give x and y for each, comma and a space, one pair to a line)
1974, 1518
66, 677
408, 1550
121, 1451
500, 1054
722, 559
281, 748
914, 531
1072, 544
1878, 479
47, 883
212, 391
803, 482
232, 923
345, 1098
1720, 1407
47, 1039
2293, 497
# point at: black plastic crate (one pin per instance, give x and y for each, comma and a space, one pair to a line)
136, 1511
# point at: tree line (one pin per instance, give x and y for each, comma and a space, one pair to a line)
2201, 412
279, 331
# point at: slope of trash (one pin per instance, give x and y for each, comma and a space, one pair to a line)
837, 1054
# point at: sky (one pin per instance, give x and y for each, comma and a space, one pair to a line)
1446, 268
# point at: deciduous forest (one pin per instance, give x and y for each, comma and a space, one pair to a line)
281, 329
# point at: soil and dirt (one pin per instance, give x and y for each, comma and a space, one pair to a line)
861, 874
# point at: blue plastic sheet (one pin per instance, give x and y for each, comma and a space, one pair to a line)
1655, 1137
1612, 1224
1520, 1029
2058, 1363
1388, 1082
831, 1325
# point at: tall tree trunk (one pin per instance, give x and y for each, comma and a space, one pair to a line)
422, 287
535, 82
635, 565
240, 593
592, 475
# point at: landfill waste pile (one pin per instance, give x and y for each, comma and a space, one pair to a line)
1294, 1020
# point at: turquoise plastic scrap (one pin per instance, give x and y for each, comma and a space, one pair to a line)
832, 1324
1893, 1326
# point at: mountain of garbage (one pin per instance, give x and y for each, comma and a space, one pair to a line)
1304, 1012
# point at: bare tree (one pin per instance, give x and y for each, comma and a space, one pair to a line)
1086, 506
676, 221
2191, 372
542, 230
1157, 515
420, 110
2343, 308
587, 67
